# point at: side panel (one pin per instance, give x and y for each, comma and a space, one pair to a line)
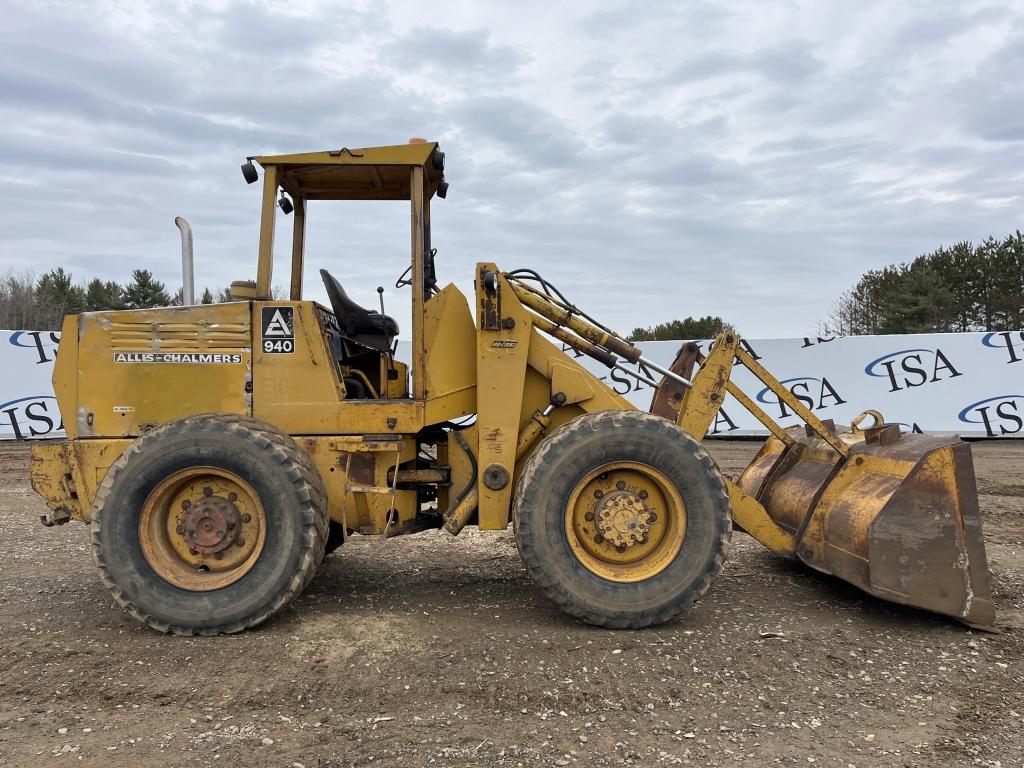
450, 362
52, 477
292, 365
140, 368
68, 474
65, 375
300, 391
355, 472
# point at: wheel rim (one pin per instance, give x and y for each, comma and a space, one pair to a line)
625, 521
202, 528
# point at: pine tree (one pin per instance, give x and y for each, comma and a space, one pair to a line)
691, 328
963, 288
1008, 267
57, 296
145, 291
207, 297
101, 295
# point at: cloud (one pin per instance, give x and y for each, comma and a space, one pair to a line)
451, 52
786, 63
657, 159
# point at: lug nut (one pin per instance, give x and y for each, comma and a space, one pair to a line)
246, 517
642, 494
620, 548
598, 494
589, 517
180, 529
207, 491
232, 496
598, 538
653, 516
186, 504
621, 485
231, 525
240, 542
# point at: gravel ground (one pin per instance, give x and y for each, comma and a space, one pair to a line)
437, 651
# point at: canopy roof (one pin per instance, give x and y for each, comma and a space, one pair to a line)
368, 173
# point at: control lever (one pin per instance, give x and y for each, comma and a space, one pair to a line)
388, 351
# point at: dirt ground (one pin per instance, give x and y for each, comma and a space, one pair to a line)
437, 651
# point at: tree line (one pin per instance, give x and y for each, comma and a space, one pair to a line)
690, 328
965, 287
39, 304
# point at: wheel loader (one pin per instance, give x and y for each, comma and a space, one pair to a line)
217, 452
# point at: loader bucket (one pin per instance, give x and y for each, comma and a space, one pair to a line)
898, 517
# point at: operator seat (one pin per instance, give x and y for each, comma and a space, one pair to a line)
363, 326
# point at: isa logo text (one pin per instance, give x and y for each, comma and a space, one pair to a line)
814, 393
909, 368
42, 343
36, 416
1011, 342
1000, 415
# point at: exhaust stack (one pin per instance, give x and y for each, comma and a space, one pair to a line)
188, 283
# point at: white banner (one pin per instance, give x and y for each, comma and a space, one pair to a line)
27, 406
964, 383
970, 384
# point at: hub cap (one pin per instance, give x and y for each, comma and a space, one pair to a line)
625, 521
202, 528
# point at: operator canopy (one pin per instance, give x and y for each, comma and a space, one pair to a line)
369, 173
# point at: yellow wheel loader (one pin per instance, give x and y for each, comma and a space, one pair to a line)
218, 451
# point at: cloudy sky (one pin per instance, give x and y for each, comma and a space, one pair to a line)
655, 159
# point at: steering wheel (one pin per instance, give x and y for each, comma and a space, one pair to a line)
401, 282
429, 277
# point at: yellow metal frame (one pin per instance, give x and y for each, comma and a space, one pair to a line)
120, 374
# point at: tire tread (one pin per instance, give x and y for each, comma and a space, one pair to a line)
530, 492
307, 487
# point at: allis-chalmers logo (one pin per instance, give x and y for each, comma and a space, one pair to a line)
909, 368
43, 342
35, 416
814, 393
1001, 415
1011, 341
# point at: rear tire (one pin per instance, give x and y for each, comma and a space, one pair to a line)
643, 474
166, 575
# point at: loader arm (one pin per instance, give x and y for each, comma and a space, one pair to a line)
894, 514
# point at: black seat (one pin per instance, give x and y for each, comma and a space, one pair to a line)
361, 325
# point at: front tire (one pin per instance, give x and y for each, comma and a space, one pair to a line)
209, 524
622, 519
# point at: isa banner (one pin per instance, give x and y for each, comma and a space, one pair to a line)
28, 408
970, 384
